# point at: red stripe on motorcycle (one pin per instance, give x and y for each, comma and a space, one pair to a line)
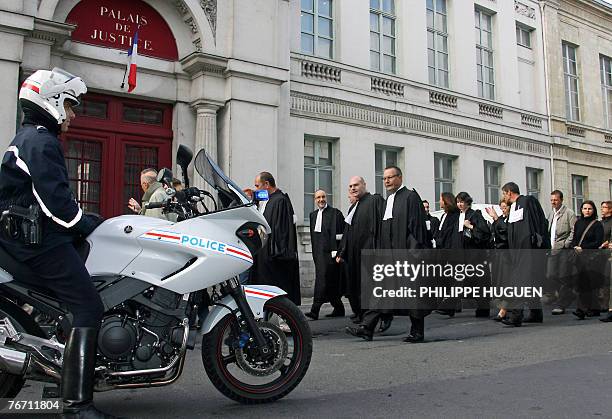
229, 249
165, 236
264, 294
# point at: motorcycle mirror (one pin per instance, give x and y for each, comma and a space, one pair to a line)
165, 176
184, 155
260, 195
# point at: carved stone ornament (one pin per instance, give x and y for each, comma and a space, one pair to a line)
191, 23
210, 9
180, 6
523, 9
197, 43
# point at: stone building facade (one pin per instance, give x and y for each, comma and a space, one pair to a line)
578, 37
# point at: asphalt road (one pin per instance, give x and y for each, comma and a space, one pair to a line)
467, 368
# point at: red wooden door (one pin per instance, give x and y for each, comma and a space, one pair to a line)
109, 143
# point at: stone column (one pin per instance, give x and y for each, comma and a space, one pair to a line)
9, 90
206, 134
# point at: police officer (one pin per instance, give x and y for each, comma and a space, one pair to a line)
33, 172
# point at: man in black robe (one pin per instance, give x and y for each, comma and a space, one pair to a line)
403, 227
527, 229
432, 223
277, 262
326, 227
361, 231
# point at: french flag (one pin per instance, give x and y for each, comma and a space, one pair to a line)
130, 71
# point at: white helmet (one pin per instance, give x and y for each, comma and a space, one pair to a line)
48, 90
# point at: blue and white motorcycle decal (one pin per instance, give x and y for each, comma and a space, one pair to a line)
198, 243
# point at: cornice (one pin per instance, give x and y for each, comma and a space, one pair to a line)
330, 109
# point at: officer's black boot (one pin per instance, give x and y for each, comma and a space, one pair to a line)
78, 375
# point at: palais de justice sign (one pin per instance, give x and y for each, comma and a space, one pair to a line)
112, 24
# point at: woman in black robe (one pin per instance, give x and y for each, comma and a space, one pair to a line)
472, 234
501, 263
443, 234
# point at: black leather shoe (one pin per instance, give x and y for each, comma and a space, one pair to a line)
414, 338
385, 323
336, 313
608, 318
514, 319
449, 313
89, 412
581, 314
360, 331
535, 316
312, 315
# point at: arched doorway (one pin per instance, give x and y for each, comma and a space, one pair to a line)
109, 143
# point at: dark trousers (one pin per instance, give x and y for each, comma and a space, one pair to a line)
62, 271
371, 318
355, 302
336, 303
566, 296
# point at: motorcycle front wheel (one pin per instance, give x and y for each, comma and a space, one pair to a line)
237, 372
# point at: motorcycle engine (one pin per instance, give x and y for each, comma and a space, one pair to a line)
137, 337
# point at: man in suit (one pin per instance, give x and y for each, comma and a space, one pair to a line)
561, 222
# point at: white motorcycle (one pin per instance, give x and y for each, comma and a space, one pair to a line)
154, 277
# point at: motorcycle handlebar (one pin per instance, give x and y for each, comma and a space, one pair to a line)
154, 205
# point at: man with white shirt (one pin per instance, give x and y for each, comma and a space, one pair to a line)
527, 230
403, 227
361, 231
326, 227
433, 223
561, 222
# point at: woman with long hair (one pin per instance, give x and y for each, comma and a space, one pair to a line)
444, 238
471, 233
450, 218
588, 236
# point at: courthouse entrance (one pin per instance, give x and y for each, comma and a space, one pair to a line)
109, 143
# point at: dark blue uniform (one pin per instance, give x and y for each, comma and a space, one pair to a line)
33, 171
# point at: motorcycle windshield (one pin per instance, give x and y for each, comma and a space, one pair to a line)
214, 176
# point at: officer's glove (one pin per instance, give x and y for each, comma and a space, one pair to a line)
88, 223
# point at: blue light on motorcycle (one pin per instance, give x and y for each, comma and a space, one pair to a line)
244, 338
261, 195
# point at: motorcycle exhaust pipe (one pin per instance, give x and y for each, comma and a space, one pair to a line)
28, 365
26, 358
13, 362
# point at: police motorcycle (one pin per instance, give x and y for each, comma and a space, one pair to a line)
154, 277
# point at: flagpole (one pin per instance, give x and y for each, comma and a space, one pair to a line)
124, 74
127, 67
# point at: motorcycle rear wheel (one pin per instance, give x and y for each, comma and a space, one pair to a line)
11, 384
224, 370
